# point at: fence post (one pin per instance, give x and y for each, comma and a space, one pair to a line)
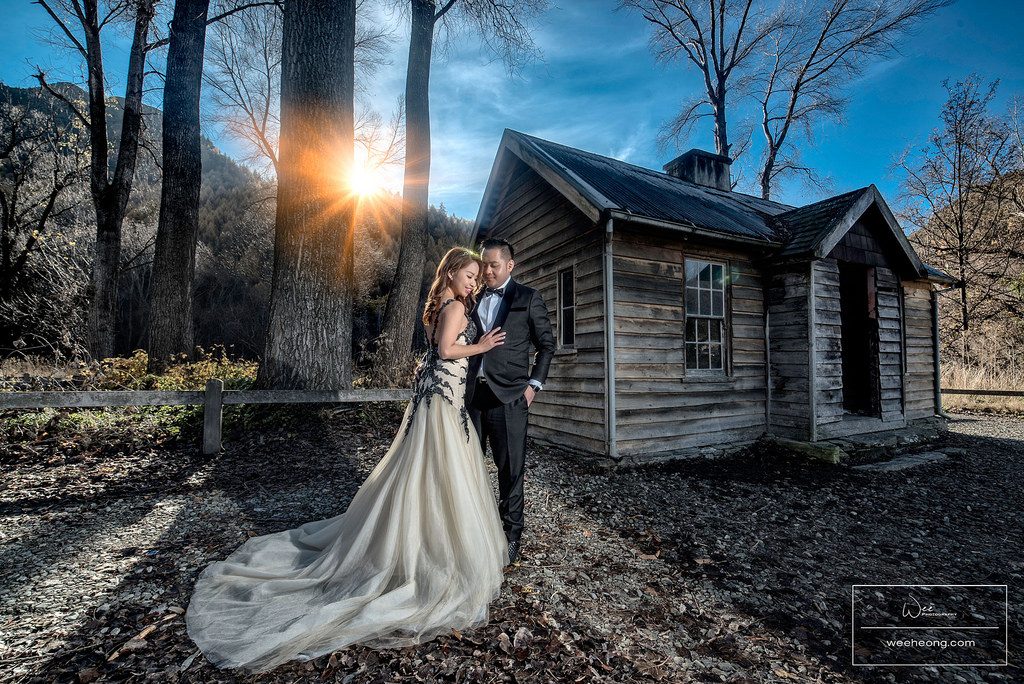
213, 414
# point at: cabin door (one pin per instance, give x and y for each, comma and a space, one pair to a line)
859, 316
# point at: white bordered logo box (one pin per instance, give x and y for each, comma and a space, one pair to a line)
906, 625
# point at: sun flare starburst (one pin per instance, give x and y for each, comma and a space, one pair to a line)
365, 178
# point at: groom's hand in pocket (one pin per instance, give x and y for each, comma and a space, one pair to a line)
530, 393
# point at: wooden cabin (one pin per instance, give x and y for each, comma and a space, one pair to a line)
689, 316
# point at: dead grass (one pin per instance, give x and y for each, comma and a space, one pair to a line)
957, 376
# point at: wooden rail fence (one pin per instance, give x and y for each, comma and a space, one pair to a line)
213, 401
985, 392
215, 397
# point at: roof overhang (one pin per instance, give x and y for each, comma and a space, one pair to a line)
692, 229
575, 189
872, 197
584, 196
940, 277
828, 240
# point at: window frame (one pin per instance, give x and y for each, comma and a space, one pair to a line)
561, 307
724, 319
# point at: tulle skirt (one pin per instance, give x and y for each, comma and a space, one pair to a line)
419, 550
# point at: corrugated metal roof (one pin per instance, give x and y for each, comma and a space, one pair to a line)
610, 183
808, 224
656, 195
939, 275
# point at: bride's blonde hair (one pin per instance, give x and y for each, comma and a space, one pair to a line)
454, 260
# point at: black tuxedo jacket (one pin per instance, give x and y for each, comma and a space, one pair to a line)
523, 316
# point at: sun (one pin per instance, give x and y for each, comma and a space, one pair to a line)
364, 179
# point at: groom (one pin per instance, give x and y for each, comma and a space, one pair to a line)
499, 386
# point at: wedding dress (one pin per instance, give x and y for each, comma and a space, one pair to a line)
419, 550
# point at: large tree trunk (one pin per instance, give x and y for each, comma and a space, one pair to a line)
766, 174
721, 126
102, 290
170, 312
309, 339
111, 198
401, 315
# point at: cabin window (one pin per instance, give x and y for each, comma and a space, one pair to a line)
566, 307
705, 315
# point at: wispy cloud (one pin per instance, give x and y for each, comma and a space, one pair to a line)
597, 87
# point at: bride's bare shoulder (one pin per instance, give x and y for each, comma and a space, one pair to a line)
446, 313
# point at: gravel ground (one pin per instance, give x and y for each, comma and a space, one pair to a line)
729, 570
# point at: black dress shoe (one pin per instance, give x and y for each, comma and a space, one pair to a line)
513, 551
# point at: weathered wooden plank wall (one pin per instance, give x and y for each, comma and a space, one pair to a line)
549, 233
828, 325
789, 343
659, 408
865, 243
828, 328
890, 345
920, 382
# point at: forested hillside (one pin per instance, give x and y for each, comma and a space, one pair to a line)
42, 312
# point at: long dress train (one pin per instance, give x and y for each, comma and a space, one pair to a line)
419, 550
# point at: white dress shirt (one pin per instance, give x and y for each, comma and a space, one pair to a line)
487, 310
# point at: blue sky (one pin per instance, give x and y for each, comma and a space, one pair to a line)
598, 88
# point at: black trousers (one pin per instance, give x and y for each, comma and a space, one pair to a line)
504, 426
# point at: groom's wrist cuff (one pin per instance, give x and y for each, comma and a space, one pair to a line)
536, 383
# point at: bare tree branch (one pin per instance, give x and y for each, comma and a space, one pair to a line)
41, 77
814, 57
720, 38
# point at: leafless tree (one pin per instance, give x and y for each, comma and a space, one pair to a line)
503, 28
309, 337
1015, 118
960, 190
721, 39
80, 23
171, 330
173, 271
42, 163
812, 58
244, 75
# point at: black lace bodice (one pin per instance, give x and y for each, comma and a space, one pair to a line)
445, 378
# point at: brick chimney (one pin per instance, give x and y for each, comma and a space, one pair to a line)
703, 168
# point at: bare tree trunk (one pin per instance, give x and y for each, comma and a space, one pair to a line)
400, 314
111, 199
309, 338
965, 316
721, 128
170, 313
766, 173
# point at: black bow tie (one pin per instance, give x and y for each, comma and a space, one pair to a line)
500, 291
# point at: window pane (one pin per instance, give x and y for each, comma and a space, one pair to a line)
691, 273
702, 356
567, 286
568, 328
691, 356
691, 300
705, 302
691, 329
716, 331
717, 303
716, 356
705, 275
716, 276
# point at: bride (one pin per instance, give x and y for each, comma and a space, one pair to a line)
419, 550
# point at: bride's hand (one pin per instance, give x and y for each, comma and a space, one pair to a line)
492, 339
